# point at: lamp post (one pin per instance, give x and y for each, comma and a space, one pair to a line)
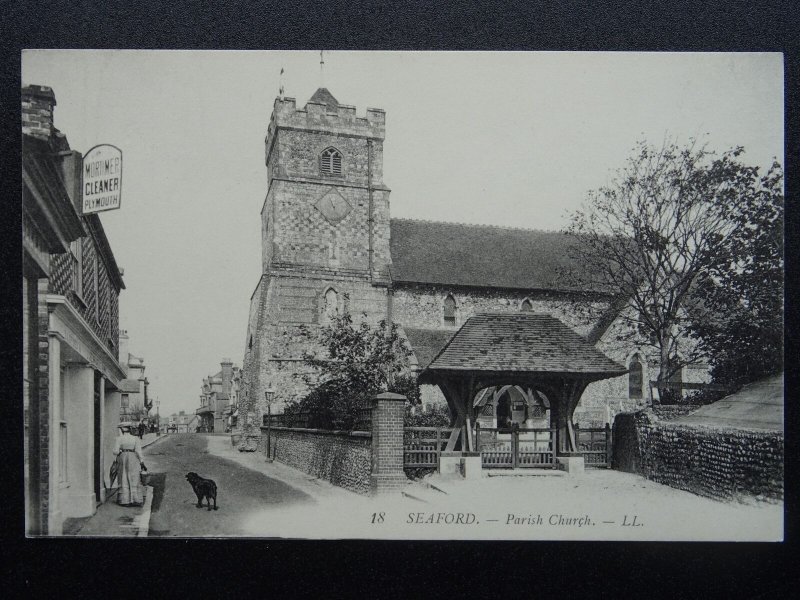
269, 394
158, 417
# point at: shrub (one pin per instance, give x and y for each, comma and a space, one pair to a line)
436, 416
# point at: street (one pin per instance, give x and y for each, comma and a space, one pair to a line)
273, 500
241, 491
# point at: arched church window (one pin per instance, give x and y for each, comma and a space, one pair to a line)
449, 310
526, 306
331, 303
330, 162
635, 377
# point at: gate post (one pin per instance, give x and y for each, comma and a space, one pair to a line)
387, 444
514, 446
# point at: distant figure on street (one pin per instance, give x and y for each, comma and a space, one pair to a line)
142, 428
130, 465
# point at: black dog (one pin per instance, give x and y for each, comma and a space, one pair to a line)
203, 488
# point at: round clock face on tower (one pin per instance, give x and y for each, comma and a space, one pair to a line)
333, 206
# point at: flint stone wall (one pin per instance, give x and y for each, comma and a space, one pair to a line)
340, 457
665, 412
724, 464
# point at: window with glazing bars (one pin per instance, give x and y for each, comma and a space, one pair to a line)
330, 162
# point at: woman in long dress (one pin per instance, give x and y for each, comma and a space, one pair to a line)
128, 451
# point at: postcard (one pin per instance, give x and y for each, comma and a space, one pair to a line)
403, 295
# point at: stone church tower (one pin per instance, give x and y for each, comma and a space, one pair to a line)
325, 240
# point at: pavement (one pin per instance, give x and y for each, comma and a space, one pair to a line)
113, 520
599, 504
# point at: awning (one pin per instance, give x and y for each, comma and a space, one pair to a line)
204, 410
130, 386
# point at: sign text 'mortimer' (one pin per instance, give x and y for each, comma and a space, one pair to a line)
102, 179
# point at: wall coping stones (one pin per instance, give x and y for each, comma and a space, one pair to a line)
361, 434
390, 396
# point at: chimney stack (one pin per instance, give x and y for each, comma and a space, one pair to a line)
123, 349
227, 375
38, 102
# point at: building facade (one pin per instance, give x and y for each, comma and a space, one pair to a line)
180, 423
218, 397
135, 402
329, 245
71, 289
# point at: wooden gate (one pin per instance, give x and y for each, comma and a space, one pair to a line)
423, 445
516, 448
595, 445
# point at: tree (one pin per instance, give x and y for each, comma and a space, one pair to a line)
664, 227
359, 361
740, 300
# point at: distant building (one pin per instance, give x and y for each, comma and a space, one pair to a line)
136, 402
71, 287
181, 422
219, 397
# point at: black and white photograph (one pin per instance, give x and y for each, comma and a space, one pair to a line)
395, 295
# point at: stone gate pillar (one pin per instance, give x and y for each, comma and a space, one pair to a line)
387, 443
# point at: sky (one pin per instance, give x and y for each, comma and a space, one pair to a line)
513, 139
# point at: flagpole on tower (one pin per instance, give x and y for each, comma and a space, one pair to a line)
321, 69
280, 89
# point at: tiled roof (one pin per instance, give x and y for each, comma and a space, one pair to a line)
522, 342
426, 343
480, 255
323, 96
758, 405
53, 212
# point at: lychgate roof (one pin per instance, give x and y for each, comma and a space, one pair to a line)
523, 343
480, 255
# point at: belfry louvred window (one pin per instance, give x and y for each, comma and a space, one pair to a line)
330, 162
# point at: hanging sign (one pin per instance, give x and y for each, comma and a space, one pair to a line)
102, 179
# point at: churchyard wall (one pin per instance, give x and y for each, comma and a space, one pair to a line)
721, 463
342, 458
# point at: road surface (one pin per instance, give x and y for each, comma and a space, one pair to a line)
241, 492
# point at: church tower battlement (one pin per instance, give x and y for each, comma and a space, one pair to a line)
327, 207
330, 117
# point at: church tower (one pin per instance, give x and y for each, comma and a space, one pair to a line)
325, 239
